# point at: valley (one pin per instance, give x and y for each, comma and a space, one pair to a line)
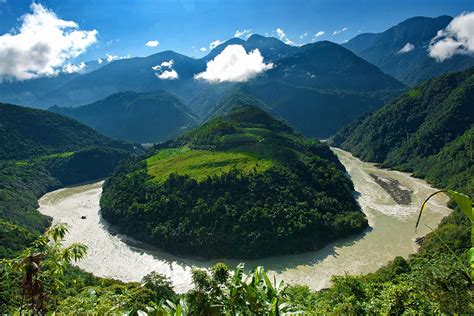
391, 234
236, 158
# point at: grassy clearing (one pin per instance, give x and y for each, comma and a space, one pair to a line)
65, 154
199, 164
414, 93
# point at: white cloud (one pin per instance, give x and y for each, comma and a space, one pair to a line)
407, 48
214, 44
243, 33
71, 68
152, 43
203, 49
456, 38
111, 58
303, 35
42, 45
168, 75
319, 34
100, 61
282, 36
340, 31
234, 64
168, 64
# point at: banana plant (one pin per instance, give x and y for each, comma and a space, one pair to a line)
465, 205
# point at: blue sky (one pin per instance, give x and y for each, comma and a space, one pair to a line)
124, 26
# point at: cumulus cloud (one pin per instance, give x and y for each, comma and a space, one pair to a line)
165, 70
203, 49
42, 45
71, 68
407, 48
282, 36
214, 44
234, 64
152, 43
243, 33
168, 75
319, 34
336, 32
456, 38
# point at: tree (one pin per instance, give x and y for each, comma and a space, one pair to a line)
41, 265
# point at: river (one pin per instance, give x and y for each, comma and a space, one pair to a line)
391, 234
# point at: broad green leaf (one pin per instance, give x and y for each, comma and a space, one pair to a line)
463, 202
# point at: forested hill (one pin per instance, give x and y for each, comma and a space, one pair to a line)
241, 185
146, 117
29, 133
427, 131
41, 151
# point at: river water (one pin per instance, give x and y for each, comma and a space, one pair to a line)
391, 234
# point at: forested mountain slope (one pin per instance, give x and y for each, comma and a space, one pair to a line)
427, 131
146, 117
241, 185
41, 151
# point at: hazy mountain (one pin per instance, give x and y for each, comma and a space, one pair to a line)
132, 74
316, 113
30, 92
330, 71
414, 64
145, 117
428, 124
318, 89
326, 65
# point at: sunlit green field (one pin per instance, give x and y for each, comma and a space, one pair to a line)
199, 164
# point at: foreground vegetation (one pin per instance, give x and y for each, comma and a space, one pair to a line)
240, 186
436, 280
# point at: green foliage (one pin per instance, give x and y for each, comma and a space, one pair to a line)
431, 135
273, 193
160, 285
224, 293
48, 151
28, 133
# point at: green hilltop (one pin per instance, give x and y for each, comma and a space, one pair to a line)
241, 185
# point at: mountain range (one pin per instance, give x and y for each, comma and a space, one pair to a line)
313, 87
317, 88
402, 50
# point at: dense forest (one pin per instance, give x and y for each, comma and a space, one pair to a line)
39, 152
240, 186
427, 131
